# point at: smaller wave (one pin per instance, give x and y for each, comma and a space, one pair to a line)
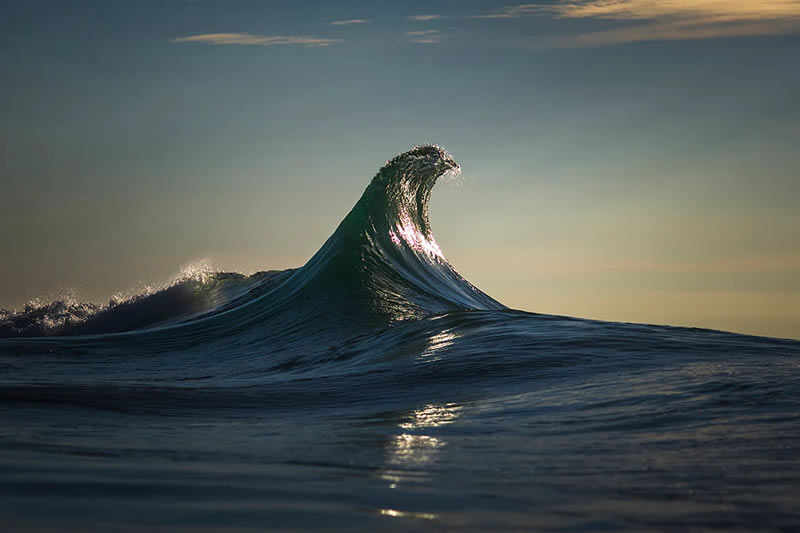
197, 290
39, 318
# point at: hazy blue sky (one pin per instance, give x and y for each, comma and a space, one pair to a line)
629, 160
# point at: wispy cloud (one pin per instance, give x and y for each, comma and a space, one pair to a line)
424, 18
708, 10
349, 21
425, 36
256, 40
642, 20
517, 11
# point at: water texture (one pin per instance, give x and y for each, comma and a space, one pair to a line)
374, 388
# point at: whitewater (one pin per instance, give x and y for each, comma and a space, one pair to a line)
374, 388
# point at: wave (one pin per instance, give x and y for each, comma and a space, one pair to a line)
380, 266
378, 367
192, 294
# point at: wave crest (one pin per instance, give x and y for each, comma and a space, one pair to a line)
384, 253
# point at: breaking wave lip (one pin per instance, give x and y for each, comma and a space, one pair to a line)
380, 266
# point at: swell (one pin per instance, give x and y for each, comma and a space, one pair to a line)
380, 266
462, 351
188, 297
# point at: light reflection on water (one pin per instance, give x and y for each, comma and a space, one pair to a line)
407, 514
437, 343
411, 454
406, 230
433, 416
412, 450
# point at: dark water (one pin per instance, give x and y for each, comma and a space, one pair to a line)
376, 389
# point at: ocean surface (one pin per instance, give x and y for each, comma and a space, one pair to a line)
375, 389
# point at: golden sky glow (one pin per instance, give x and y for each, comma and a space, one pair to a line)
643, 20
707, 10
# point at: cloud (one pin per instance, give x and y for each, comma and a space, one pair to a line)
256, 40
647, 20
424, 18
349, 21
707, 10
515, 12
425, 36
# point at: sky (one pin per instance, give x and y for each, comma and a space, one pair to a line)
626, 160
